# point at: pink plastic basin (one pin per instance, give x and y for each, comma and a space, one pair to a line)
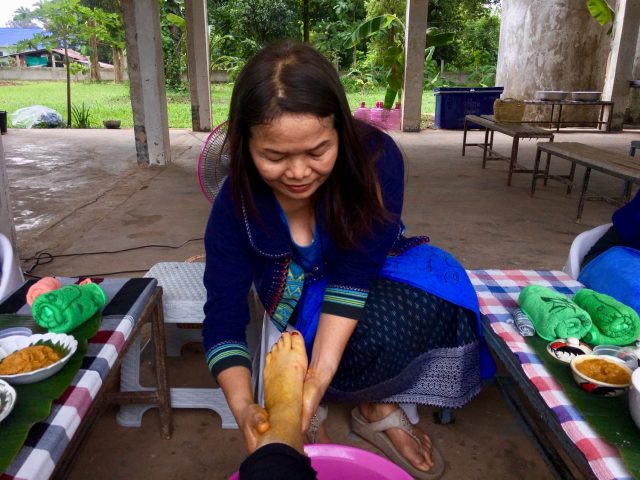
333, 461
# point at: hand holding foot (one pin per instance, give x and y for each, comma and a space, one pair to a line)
253, 421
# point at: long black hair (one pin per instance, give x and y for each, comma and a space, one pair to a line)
290, 77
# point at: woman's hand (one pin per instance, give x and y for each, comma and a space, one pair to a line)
331, 339
253, 421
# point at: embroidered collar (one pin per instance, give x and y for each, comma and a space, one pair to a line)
267, 234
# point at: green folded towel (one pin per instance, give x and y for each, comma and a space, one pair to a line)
62, 310
614, 323
553, 314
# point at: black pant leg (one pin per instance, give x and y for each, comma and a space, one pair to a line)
277, 461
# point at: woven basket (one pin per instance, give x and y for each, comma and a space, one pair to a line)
508, 110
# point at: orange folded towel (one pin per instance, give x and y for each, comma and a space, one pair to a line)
44, 285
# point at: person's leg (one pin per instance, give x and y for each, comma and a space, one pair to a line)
280, 452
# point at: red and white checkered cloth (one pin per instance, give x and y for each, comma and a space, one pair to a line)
47, 440
498, 292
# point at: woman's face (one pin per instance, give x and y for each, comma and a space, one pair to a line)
294, 155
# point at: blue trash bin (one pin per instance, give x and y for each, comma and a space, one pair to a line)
453, 103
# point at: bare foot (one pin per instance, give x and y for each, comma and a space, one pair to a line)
419, 456
284, 371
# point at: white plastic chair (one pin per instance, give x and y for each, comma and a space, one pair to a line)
10, 273
581, 246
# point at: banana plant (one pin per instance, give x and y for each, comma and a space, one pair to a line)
602, 12
393, 60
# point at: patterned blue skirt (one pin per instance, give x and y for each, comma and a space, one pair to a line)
410, 347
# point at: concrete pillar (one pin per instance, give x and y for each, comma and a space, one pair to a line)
414, 45
636, 63
198, 64
7, 226
555, 46
146, 81
620, 65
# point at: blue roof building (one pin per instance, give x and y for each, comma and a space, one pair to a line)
10, 36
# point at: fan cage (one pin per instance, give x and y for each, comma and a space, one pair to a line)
213, 164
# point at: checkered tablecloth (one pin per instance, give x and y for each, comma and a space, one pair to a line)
47, 440
498, 292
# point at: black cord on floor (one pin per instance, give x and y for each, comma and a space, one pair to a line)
43, 258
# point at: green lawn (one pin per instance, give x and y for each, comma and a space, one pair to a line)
111, 101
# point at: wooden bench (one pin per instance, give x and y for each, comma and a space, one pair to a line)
614, 164
514, 130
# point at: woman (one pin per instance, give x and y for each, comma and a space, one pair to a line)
310, 214
624, 231
611, 266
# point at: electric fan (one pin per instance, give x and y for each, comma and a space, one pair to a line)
213, 162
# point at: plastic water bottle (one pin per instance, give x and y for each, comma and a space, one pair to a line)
362, 112
375, 117
395, 117
523, 323
386, 119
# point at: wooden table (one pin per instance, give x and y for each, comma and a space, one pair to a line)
560, 103
614, 164
514, 130
563, 437
131, 304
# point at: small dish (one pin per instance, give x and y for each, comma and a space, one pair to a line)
565, 350
624, 355
9, 332
8, 398
551, 94
65, 344
586, 96
604, 364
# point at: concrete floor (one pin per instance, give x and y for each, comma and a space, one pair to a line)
80, 193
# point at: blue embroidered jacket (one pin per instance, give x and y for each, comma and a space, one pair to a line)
241, 250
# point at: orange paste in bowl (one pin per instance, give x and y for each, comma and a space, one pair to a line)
28, 359
604, 371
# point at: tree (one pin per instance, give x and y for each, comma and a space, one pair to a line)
22, 19
602, 12
105, 28
173, 27
62, 21
392, 29
458, 17
331, 25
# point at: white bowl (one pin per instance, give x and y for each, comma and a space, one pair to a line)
551, 94
598, 387
8, 398
17, 342
565, 350
586, 96
634, 397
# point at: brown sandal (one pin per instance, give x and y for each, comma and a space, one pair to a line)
373, 432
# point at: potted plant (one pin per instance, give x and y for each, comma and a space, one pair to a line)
111, 123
